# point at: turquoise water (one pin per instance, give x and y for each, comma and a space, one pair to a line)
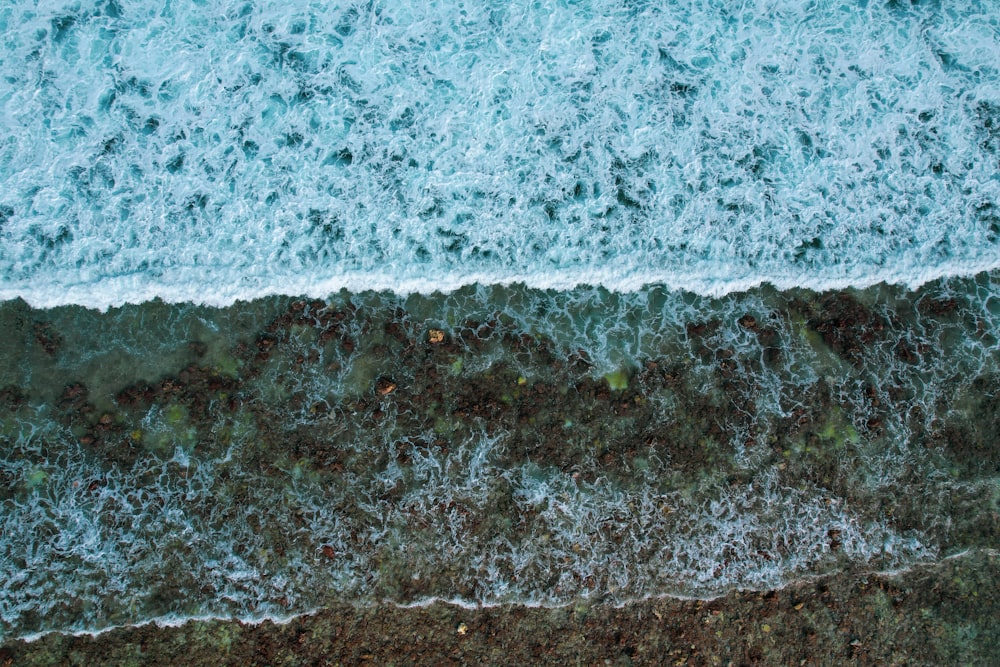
226, 150
506, 302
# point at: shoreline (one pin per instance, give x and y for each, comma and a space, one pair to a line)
131, 290
860, 619
167, 623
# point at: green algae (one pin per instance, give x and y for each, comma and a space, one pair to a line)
172, 430
837, 430
617, 380
226, 365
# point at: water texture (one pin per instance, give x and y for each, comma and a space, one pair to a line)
177, 461
506, 302
218, 151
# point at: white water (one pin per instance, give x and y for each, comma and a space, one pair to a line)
181, 545
230, 150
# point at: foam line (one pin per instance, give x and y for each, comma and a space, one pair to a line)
219, 291
179, 621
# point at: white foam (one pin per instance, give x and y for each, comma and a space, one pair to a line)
180, 621
152, 544
171, 621
225, 153
215, 288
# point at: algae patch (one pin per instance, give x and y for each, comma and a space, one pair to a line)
617, 380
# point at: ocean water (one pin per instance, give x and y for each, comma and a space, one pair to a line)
489, 302
212, 151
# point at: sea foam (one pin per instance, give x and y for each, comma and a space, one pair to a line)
235, 150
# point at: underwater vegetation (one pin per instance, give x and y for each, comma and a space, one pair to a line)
489, 446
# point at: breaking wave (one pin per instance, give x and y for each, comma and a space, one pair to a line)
234, 150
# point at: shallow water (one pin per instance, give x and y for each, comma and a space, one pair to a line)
491, 445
